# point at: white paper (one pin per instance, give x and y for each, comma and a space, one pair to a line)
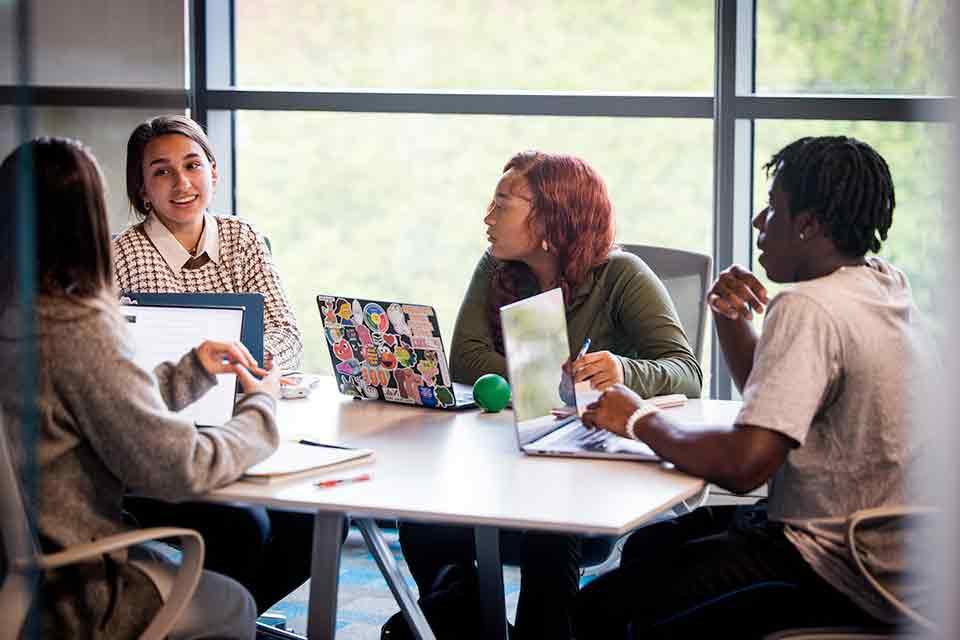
164, 334
291, 457
586, 395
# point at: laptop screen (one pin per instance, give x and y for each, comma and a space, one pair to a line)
535, 339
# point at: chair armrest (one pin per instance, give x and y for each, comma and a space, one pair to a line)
184, 583
881, 514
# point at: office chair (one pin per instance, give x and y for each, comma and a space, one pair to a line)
757, 609
686, 276
914, 623
23, 564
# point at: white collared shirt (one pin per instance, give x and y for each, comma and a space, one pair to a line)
174, 254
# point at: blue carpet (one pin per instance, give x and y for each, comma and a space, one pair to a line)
364, 601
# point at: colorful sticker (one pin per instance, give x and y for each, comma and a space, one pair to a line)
329, 315
418, 320
375, 317
374, 376
408, 381
367, 390
393, 394
406, 357
349, 367
395, 313
371, 355
344, 312
387, 360
349, 387
357, 313
444, 396
427, 397
428, 368
366, 337
343, 350
427, 342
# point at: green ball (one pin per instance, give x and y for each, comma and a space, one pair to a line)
491, 392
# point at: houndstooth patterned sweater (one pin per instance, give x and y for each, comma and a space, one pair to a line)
239, 263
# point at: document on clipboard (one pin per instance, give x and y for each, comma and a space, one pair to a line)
166, 333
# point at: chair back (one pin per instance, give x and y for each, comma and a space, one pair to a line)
18, 575
686, 275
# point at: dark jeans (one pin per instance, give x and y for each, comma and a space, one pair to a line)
717, 572
549, 566
266, 551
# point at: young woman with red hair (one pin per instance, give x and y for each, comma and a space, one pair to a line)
550, 224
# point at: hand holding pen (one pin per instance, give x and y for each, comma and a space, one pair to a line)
601, 368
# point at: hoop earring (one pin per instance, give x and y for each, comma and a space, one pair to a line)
147, 205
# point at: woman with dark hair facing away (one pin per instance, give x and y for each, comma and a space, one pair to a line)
103, 425
550, 224
829, 389
179, 246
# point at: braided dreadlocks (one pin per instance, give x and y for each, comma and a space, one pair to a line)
844, 183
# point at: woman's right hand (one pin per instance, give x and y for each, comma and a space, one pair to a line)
269, 384
736, 294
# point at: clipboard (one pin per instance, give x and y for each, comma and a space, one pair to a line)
252, 303
164, 333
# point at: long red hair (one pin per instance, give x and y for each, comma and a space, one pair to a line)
571, 207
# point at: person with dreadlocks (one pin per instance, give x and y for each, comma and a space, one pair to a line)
829, 388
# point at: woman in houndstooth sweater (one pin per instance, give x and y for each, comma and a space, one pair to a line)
179, 246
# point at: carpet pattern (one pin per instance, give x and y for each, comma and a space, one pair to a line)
364, 601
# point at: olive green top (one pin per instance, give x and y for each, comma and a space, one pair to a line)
621, 305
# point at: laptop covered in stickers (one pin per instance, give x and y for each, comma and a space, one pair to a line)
390, 351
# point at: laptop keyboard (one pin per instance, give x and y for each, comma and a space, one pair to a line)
585, 437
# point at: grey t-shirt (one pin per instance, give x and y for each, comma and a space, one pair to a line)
837, 370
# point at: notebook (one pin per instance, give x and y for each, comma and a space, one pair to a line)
166, 333
294, 460
389, 351
535, 339
252, 333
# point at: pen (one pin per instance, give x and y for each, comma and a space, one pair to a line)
324, 484
583, 349
325, 446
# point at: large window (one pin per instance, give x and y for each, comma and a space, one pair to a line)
602, 45
824, 46
364, 139
391, 206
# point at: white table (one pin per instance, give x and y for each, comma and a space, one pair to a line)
455, 468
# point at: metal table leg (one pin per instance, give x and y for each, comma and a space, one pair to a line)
324, 574
494, 611
391, 573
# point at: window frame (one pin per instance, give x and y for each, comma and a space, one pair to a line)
734, 107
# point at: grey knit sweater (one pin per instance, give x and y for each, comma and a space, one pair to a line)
107, 427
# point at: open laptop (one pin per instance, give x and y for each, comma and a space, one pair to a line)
389, 351
535, 338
